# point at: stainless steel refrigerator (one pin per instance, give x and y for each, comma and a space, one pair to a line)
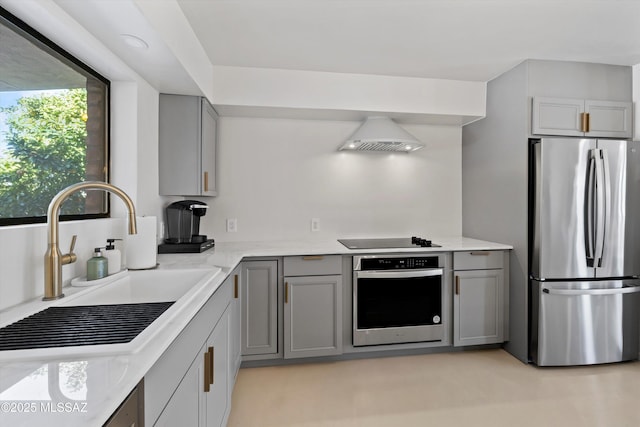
585, 251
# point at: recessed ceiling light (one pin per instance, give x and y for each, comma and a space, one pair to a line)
134, 41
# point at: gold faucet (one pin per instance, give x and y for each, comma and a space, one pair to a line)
54, 259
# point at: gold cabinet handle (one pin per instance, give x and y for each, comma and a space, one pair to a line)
585, 124
286, 292
457, 285
313, 258
212, 362
588, 128
480, 253
235, 286
206, 181
207, 371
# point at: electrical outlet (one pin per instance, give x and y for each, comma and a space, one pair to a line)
232, 225
315, 224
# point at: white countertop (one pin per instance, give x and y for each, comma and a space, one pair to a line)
84, 390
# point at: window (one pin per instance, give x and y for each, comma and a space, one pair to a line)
54, 125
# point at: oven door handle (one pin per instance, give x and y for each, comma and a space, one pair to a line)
394, 274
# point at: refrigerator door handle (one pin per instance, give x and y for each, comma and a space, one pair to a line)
600, 219
606, 203
589, 208
590, 292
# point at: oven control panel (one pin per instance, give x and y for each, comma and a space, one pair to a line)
400, 263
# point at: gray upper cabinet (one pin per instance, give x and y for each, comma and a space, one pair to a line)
312, 306
609, 119
259, 296
187, 146
578, 117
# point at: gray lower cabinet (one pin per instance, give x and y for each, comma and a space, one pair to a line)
259, 296
190, 384
313, 316
479, 298
202, 398
216, 354
312, 306
186, 407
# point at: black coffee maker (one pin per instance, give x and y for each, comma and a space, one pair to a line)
183, 228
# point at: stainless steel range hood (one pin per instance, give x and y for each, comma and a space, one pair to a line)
379, 133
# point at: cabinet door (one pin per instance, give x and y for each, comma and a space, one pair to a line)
187, 146
478, 307
186, 407
208, 147
217, 397
259, 293
557, 116
179, 145
312, 316
609, 119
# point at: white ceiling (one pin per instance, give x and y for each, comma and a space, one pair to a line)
472, 40
450, 39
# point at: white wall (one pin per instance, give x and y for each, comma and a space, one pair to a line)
277, 174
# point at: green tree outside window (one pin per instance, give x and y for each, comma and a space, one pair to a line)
46, 152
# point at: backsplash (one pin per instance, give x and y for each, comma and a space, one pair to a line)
22, 250
275, 175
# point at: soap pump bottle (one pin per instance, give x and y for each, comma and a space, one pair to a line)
113, 256
97, 266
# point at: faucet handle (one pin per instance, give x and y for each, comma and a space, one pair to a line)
70, 257
73, 243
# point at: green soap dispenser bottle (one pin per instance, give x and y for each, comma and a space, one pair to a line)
97, 266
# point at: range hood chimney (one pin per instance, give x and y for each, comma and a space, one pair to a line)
380, 133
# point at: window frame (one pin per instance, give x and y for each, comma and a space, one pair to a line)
57, 52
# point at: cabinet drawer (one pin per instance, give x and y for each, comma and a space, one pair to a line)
312, 265
477, 260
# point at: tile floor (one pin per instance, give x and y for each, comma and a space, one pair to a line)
475, 388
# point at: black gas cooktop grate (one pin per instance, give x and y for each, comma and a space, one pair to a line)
81, 325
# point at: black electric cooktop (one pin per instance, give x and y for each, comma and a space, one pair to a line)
388, 243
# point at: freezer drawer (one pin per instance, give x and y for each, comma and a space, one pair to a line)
584, 323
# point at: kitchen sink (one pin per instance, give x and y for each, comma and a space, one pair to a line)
143, 286
117, 317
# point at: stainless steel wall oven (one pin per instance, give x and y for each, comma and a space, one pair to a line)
399, 299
